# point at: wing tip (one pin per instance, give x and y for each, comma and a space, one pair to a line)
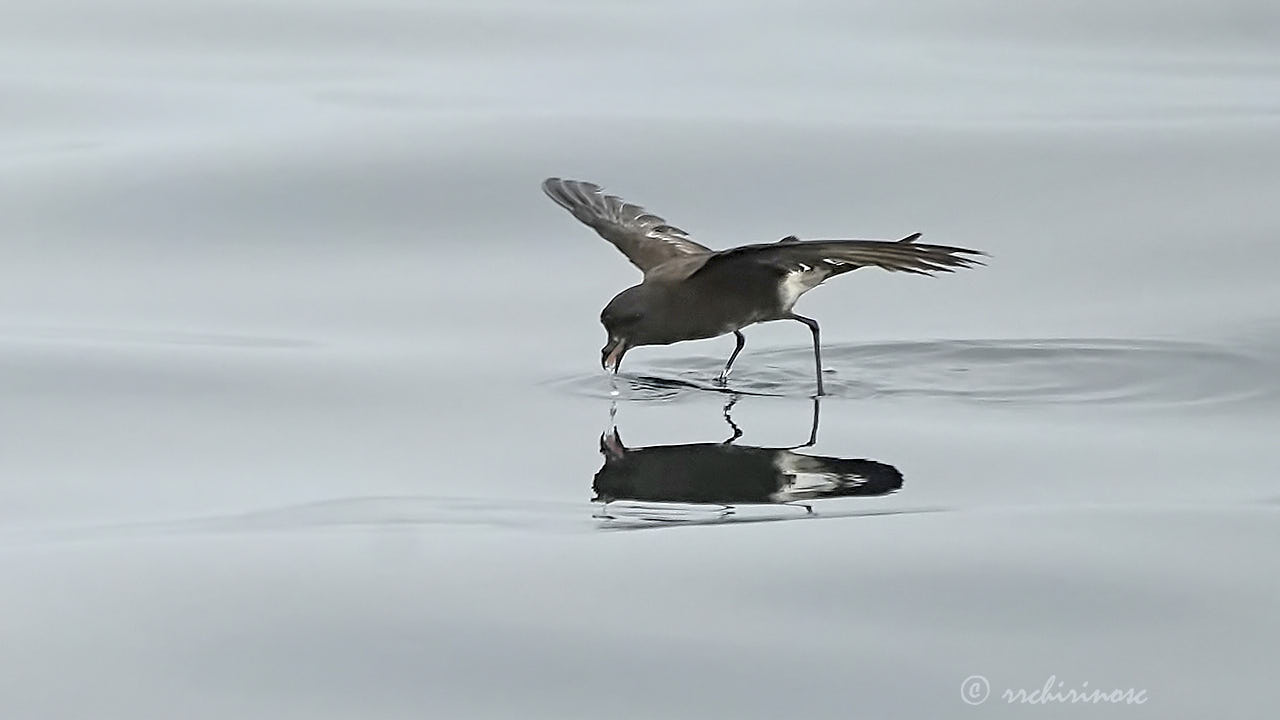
560, 185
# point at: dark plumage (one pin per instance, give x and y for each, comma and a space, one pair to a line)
690, 291
727, 474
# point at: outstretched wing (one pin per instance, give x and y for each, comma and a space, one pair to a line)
807, 263
646, 239
840, 256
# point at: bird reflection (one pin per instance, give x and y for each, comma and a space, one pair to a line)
727, 475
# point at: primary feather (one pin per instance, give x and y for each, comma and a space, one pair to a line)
805, 264
645, 238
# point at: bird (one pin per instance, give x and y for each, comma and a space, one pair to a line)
691, 292
727, 474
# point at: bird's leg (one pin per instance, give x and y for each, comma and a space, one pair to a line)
813, 429
817, 346
813, 432
737, 431
742, 340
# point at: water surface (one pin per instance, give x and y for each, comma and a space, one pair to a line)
300, 410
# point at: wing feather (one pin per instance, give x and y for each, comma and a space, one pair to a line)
808, 263
647, 240
840, 256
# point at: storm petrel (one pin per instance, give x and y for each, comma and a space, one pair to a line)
691, 292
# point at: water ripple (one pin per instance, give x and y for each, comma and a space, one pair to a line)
1009, 371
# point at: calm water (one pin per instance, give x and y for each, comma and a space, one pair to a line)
300, 407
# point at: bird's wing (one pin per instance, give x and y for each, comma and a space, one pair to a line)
832, 257
646, 239
810, 262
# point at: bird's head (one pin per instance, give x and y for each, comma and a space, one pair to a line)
625, 320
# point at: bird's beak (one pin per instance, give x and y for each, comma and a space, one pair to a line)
611, 445
611, 354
